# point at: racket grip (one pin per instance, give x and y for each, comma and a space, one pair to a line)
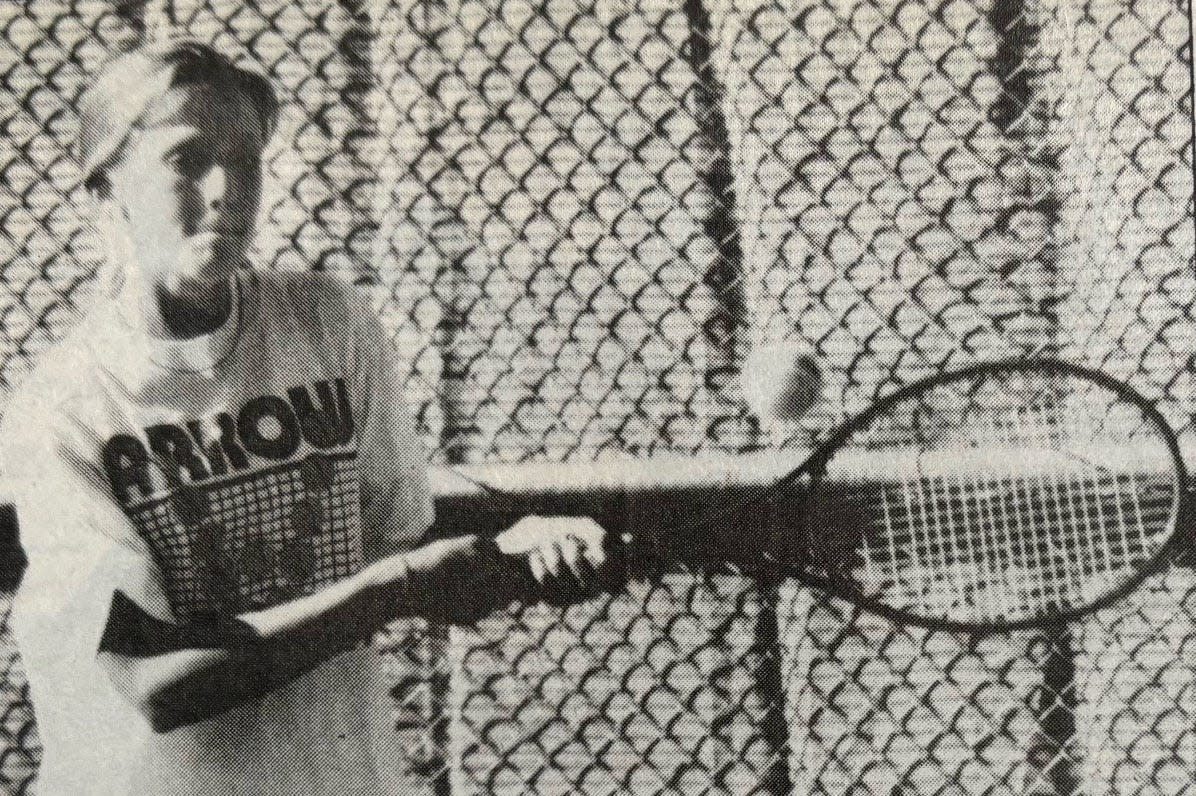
631, 554
512, 578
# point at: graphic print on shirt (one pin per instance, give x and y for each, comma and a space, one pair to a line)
247, 508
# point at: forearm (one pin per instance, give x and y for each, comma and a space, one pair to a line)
205, 675
415, 583
282, 642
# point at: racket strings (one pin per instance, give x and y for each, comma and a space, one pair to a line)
941, 501
985, 525
984, 548
1048, 529
968, 510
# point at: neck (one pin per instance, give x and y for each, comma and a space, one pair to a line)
185, 311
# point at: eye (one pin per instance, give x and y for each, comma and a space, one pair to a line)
249, 160
187, 162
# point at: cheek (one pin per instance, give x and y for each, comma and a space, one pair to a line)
250, 189
163, 207
187, 205
176, 202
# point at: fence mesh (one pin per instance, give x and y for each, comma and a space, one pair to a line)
578, 217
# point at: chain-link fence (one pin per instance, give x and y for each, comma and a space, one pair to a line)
578, 217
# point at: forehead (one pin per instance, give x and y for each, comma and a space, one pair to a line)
197, 110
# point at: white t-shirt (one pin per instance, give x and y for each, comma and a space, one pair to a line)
210, 476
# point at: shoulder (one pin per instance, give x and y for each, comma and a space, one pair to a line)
313, 300
63, 385
308, 293
48, 432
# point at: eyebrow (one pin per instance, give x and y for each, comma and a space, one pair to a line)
174, 136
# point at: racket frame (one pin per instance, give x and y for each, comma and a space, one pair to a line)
815, 465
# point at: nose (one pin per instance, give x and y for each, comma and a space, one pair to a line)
214, 187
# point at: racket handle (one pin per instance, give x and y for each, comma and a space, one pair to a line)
512, 578
630, 554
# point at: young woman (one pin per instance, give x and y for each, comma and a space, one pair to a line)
221, 491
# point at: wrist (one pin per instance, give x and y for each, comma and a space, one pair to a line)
387, 573
486, 548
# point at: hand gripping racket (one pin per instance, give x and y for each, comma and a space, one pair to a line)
993, 497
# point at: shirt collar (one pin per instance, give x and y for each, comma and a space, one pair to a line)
197, 354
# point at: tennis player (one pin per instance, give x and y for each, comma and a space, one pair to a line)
221, 492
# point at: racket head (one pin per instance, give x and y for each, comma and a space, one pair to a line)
995, 497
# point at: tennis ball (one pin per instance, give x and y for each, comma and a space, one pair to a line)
781, 381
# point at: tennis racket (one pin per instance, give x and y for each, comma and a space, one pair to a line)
992, 497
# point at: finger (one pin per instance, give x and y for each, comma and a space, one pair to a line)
593, 540
574, 557
200, 245
514, 540
202, 240
536, 562
595, 551
551, 553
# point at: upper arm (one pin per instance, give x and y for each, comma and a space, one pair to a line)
147, 659
81, 547
397, 499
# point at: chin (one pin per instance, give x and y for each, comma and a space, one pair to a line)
224, 262
203, 278
228, 255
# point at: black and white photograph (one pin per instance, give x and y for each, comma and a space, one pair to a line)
597, 397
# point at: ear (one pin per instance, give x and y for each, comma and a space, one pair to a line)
111, 222
106, 206
97, 185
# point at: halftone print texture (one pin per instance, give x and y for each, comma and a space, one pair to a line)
579, 218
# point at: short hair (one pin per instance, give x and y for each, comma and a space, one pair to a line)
117, 99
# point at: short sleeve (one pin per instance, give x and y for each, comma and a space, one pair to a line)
81, 546
396, 495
